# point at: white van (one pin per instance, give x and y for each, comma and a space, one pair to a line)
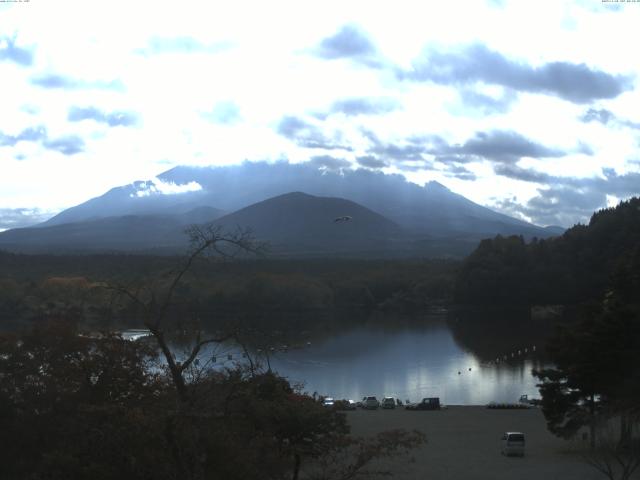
513, 443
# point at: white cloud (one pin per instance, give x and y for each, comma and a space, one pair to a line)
159, 187
265, 71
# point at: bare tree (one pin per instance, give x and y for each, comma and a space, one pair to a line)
154, 304
615, 459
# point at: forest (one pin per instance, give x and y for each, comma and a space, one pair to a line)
565, 270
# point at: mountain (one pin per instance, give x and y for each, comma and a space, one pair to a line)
391, 216
432, 209
156, 233
298, 223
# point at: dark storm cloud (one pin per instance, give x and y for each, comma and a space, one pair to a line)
21, 217
576, 83
31, 134
369, 161
306, 135
485, 103
567, 200
364, 106
55, 81
328, 162
113, 119
225, 113
606, 117
11, 53
69, 145
160, 45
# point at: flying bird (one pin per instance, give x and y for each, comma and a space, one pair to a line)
346, 218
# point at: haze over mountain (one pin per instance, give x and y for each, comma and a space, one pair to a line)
389, 213
430, 209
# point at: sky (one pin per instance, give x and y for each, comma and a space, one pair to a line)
529, 108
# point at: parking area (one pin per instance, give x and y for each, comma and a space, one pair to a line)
464, 442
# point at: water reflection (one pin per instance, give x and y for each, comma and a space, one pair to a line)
410, 362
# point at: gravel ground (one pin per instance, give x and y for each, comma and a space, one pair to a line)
463, 442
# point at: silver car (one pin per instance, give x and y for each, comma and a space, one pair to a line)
370, 403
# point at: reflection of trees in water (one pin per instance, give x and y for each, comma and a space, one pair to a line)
494, 333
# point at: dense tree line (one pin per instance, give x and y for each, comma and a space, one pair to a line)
36, 286
595, 379
569, 269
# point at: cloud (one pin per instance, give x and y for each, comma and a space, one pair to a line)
518, 173
486, 103
502, 146
55, 81
567, 200
113, 119
329, 163
412, 149
12, 53
606, 117
225, 113
31, 134
22, 217
160, 45
69, 145
160, 187
576, 83
370, 161
306, 135
460, 172
364, 106
351, 43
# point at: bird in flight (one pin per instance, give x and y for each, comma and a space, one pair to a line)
346, 218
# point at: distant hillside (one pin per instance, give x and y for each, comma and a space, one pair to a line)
301, 223
153, 233
575, 267
432, 210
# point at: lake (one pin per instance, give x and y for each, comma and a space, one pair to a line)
409, 361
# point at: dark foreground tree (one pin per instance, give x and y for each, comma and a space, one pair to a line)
597, 363
240, 424
615, 460
74, 407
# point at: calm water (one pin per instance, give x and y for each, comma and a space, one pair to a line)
408, 362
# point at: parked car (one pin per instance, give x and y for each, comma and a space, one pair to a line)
345, 404
513, 443
370, 403
432, 403
388, 402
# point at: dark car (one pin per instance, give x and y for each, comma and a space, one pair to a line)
432, 403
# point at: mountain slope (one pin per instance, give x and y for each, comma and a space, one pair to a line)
298, 222
430, 210
124, 233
